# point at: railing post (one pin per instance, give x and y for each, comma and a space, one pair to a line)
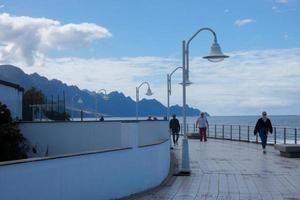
187, 128
215, 130
248, 133
284, 136
275, 135
223, 131
181, 128
208, 131
256, 140
239, 132
230, 132
295, 136
194, 128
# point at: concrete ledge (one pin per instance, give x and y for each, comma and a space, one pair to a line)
290, 155
154, 143
168, 182
288, 150
12, 162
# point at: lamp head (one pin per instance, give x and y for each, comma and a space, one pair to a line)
105, 97
149, 92
80, 101
187, 83
216, 54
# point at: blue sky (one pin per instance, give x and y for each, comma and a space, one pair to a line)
155, 27
118, 44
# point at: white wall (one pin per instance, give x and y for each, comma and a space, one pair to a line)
72, 137
152, 131
97, 176
13, 99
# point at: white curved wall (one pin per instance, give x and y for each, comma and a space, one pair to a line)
96, 176
89, 176
152, 131
72, 137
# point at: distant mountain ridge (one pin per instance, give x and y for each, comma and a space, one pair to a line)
118, 105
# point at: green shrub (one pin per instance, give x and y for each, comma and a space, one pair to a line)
13, 145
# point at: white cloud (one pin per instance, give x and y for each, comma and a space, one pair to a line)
122, 74
243, 22
26, 38
246, 83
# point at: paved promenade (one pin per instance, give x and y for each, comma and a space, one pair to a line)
233, 170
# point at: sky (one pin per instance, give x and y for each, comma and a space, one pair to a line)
118, 44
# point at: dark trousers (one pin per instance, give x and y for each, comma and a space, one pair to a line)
202, 132
263, 137
175, 135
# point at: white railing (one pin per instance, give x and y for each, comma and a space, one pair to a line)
281, 135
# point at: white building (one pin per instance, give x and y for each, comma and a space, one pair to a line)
12, 95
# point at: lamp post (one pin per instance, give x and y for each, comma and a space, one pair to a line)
78, 101
215, 55
148, 93
169, 77
105, 97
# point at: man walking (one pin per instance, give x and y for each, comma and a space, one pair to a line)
175, 128
202, 123
263, 126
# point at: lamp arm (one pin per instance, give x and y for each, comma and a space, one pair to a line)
170, 76
186, 48
143, 84
174, 71
102, 90
74, 97
200, 30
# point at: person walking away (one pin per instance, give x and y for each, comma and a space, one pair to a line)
263, 126
202, 123
175, 128
101, 119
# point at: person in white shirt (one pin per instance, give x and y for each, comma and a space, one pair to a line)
202, 123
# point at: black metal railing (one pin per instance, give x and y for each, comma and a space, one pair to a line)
281, 135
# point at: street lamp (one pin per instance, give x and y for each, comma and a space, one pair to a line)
169, 76
80, 101
148, 93
105, 98
215, 55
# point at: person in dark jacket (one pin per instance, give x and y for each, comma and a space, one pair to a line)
263, 126
175, 128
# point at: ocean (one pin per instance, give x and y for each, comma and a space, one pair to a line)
286, 127
289, 121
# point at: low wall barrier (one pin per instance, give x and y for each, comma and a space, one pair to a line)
140, 163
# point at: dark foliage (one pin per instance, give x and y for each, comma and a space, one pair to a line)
32, 96
13, 145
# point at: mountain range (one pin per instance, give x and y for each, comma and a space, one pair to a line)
118, 104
